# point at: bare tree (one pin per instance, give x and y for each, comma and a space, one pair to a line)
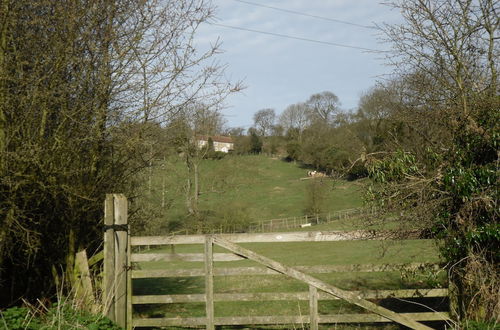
185, 129
235, 131
453, 42
264, 120
323, 106
295, 116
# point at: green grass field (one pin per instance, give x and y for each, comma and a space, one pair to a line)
247, 188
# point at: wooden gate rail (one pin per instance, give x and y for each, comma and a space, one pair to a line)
279, 296
303, 319
317, 269
312, 236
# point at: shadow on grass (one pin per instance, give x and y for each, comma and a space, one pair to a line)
169, 285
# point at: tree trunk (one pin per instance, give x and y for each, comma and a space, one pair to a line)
4, 234
196, 191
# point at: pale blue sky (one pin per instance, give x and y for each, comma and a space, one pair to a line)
280, 71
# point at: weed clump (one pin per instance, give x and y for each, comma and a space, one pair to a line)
58, 316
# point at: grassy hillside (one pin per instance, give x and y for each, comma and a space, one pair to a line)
242, 188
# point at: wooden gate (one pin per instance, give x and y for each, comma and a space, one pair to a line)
127, 254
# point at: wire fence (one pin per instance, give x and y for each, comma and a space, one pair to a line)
278, 223
306, 220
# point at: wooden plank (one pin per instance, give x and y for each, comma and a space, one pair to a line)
405, 293
189, 298
313, 307
168, 299
346, 295
337, 318
120, 215
83, 289
159, 273
166, 322
109, 260
96, 258
313, 236
209, 282
429, 316
283, 320
279, 296
234, 271
129, 284
254, 320
144, 257
373, 318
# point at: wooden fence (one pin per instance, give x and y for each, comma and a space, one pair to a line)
120, 300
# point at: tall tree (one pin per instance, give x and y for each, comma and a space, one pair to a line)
295, 116
323, 106
264, 121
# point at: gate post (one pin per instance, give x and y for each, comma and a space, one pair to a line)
108, 299
115, 258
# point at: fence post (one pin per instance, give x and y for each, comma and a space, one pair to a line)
209, 281
109, 259
129, 282
313, 307
115, 258
121, 244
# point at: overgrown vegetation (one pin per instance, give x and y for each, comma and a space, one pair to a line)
56, 317
84, 88
445, 174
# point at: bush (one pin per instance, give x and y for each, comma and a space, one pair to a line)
316, 197
474, 325
18, 318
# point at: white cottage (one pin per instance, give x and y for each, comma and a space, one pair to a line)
221, 143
